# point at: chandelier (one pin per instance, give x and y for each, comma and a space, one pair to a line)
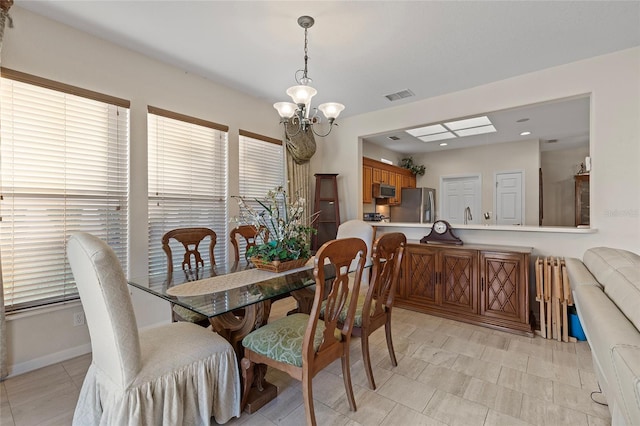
296, 113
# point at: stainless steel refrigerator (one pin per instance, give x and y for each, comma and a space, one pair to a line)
417, 205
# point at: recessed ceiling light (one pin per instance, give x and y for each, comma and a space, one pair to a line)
525, 133
444, 144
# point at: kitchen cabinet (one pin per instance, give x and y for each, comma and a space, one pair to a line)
408, 181
480, 284
377, 175
367, 181
385, 173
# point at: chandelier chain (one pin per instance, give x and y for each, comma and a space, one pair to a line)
306, 57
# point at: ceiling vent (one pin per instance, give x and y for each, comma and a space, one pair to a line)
393, 138
552, 140
399, 95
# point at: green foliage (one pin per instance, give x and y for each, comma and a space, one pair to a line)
289, 228
408, 163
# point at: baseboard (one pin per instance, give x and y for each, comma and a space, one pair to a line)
47, 360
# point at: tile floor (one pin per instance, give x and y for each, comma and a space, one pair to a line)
448, 373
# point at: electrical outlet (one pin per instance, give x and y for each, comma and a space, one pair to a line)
78, 319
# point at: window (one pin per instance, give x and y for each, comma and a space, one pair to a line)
261, 167
64, 168
187, 180
261, 164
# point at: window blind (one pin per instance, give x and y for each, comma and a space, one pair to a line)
64, 168
187, 181
261, 168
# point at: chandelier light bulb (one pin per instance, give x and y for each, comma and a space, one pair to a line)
301, 94
331, 110
285, 109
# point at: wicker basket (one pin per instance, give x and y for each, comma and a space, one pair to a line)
276, 265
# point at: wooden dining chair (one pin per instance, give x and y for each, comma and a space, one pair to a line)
350, 229
301, 344
193, 264
374, 308
248, 235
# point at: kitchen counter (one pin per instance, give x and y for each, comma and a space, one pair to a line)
552, 229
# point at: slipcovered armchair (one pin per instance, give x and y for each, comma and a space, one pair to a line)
174, 374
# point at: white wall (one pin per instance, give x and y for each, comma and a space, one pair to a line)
613, 82
486, 160
47, 49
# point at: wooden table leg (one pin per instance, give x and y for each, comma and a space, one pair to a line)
234, 329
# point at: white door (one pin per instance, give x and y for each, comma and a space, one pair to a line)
509, 198
458, 193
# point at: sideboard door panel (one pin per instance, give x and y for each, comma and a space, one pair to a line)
422, 277
502, 278
458, 280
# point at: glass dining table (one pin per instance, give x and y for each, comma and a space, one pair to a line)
237, 300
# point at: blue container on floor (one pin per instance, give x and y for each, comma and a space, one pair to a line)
575, 328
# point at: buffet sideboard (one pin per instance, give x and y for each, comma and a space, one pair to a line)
487, 285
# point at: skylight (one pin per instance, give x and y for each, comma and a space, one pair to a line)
453, 129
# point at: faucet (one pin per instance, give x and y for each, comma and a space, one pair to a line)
467, 214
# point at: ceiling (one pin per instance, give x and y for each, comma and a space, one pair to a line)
359, 51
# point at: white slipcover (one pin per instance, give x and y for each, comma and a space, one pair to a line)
177, 374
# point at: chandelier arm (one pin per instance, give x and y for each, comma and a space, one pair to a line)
320, 135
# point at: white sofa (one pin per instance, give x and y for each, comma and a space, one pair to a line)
606, 291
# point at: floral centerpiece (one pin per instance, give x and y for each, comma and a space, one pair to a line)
289, 228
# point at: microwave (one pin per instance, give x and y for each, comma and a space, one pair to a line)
382, 190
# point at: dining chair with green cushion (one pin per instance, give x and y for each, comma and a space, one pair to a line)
193, 265
303, 344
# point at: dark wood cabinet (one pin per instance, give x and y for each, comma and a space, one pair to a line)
479, 284
326, 202
582, 200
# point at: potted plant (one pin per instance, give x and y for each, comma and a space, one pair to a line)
289, 243
408, 163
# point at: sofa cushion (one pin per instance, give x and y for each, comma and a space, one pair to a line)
579, 274
603, 261
605, 327
623, 288
626, 363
